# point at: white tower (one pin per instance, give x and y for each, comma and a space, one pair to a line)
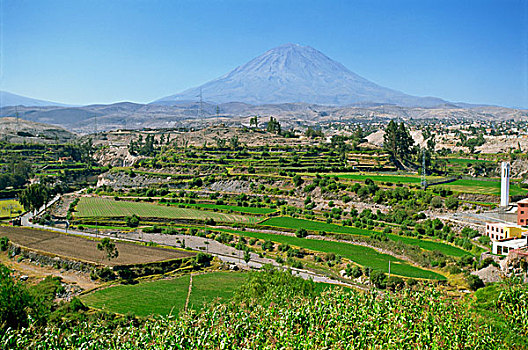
505, 184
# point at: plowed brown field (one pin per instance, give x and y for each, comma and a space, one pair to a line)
86, 249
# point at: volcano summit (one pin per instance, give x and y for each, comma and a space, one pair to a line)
294, 73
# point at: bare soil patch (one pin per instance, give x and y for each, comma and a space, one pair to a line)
86, 250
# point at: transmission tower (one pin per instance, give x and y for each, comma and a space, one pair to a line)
424, 180
16, 116
201, 104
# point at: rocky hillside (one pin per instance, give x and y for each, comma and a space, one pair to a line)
19, 130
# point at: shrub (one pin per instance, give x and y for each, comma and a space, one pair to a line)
451, 203
4, 243
394, 283
132, 221
437, 202
353, 271
474, 282
268, 245
301, 233
210, 222
378, 278
15, 301
203, 259
484, 240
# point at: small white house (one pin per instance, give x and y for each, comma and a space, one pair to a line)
503, 247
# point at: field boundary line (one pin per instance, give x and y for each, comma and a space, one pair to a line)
189, 292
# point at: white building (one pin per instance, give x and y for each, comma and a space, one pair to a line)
497, 231
504, 246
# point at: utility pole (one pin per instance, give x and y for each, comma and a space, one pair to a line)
389, 268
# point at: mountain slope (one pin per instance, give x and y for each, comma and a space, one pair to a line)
294, 73
9, 99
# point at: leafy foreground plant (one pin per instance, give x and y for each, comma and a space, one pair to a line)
266, 314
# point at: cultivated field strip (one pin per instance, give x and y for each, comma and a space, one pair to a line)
85, 249
103, 207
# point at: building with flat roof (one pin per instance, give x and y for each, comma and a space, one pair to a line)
522, 212
503, 247
498, 231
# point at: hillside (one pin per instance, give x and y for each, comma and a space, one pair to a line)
18, 130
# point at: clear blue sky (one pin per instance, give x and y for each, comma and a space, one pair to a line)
102, 51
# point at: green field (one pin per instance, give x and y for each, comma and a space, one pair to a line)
15, 209
293, 223
466, 161
363, 256
165, 297
248, 210
103, 207
483, 187
411, 179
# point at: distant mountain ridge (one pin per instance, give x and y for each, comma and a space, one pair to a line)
8, 99
294, 73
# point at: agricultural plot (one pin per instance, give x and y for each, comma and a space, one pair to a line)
483, 187
363, 256
102, 207
10, 207
248, 210
86, 250
465, 161
293, 223
166, 297
404, 179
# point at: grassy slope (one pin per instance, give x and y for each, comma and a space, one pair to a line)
363, 256
164, 297
293, 223
144, 299
208, 287
102, 207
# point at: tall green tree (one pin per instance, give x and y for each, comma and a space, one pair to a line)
398, 142
35, 196
390, 139
274, 126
